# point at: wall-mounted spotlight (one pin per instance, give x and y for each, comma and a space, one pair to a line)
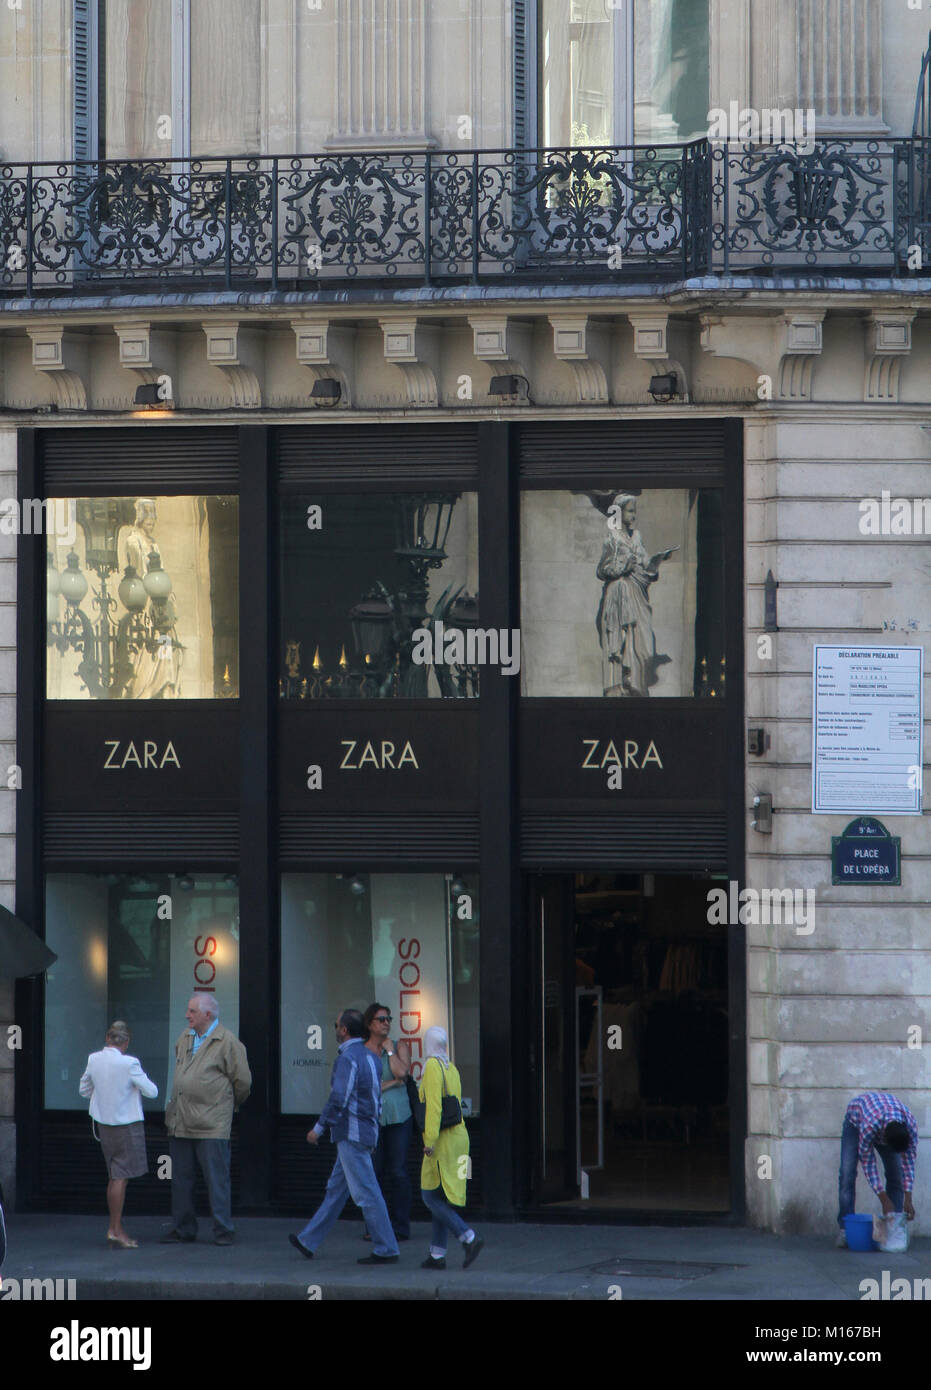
147, 394
326, 391
510, 386
186, 883
664, 387
763, 818
357, 886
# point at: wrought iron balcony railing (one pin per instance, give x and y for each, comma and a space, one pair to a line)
849, 207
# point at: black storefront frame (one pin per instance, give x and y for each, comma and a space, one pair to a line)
683, 454
506, 1096
42, 1133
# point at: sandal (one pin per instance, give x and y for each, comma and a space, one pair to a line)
122, 1242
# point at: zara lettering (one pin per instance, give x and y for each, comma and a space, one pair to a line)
371, 757
130, 755
612, 758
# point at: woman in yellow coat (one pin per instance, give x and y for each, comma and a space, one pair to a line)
443, 1176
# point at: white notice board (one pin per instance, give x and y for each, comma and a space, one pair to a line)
866, 730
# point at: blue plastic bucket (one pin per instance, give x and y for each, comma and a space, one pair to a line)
859, 1232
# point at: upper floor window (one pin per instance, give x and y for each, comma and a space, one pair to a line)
142, 598
156, 79
635, 73
379, 596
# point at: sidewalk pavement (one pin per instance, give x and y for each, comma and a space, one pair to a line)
520, 1261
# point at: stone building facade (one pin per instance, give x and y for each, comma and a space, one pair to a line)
814, 334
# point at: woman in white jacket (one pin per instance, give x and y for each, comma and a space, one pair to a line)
115, 1084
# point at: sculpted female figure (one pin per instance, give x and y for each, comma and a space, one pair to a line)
625, 618
156, 674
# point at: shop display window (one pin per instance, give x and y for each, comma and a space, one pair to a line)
133, 947
409, 941
142, 597
622, 593
361, 576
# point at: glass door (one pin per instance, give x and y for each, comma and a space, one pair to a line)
555, 1168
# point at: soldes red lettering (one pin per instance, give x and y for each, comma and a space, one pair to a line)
411, 951
209, 978
409, 965
203, 950
416, 1028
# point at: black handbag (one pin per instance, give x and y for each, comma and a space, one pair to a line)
451, 1110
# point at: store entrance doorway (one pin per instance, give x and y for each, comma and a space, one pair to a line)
631, 1044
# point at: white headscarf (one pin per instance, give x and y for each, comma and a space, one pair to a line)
436, 1044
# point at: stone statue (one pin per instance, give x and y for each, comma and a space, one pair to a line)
625, 618
156, 674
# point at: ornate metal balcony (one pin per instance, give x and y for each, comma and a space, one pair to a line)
844, 207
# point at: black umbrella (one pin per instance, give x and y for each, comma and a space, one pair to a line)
21, 951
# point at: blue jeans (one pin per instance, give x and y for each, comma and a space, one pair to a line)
394, 1141
445, 1217
213, 1155
847, 1177
352, 1176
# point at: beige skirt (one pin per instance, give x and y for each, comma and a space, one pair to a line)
124, 1149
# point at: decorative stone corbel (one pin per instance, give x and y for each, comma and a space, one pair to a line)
663, 343
889, 339
502, 342
136, 349
326, 350
412, 348
230, 349
802, 343
63, 358
583, 343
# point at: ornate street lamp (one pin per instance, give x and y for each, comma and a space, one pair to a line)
374, 634
463, 615
422, 522
107, 650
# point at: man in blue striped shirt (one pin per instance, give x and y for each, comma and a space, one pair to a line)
351, 1114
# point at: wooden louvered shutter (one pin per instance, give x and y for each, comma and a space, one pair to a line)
524, 17
84, 68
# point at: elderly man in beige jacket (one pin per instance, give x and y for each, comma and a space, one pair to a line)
211, 1080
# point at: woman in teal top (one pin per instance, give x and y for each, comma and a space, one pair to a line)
394, 1135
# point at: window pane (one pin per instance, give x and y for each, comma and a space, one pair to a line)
138, 79
360, 576
671, 70
576, 52
134, 947
582, 43
622, 593
409, 941
143, 598
225, 59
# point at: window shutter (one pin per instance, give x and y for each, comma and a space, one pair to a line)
524, 13
84, 68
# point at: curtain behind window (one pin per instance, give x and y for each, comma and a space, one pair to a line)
138, 79
225, 77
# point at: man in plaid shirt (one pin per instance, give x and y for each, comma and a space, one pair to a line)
878, 1123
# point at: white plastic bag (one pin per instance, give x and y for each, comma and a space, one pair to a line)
896, 1233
